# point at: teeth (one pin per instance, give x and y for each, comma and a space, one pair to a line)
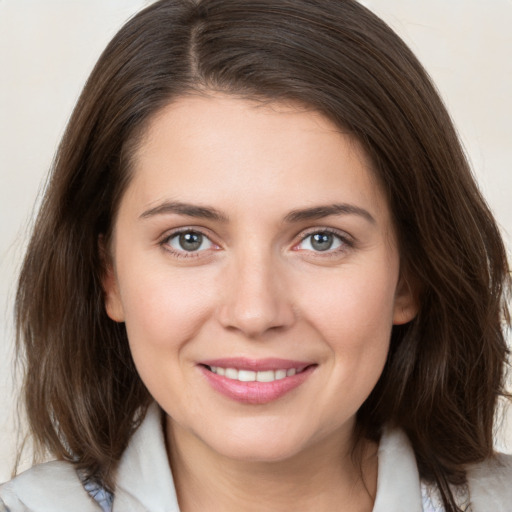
231, 373
246, 376
252, 376
280, 374
267, 376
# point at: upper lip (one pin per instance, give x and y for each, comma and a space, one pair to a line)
244, 363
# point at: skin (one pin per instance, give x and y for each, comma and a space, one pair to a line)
257, 288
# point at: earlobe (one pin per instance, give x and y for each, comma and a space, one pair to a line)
112, 297
113, 305
406, 302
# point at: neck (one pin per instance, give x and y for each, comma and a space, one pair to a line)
322, 478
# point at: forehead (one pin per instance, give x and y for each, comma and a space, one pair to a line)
219, 148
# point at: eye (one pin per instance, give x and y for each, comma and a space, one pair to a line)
189, 241
322, 241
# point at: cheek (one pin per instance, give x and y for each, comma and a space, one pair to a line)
354, 319
164, 308
354, 307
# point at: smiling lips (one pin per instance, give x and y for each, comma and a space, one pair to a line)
255, 381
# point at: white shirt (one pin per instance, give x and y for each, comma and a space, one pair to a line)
145, 483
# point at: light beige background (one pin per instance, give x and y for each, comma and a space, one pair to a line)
48, 47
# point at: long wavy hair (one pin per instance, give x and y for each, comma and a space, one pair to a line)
445, 369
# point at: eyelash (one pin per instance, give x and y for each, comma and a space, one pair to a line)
165, 243
345, 241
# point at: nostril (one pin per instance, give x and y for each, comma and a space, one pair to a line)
255, 316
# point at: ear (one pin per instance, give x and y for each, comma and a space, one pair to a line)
406, 300
109, 283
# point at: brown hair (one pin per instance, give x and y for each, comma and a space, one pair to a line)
445, 369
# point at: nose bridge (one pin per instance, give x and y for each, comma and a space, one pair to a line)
256, 299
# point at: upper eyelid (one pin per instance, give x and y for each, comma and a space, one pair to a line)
187, 229
164, 242
165, 239
311, 231
347, 241
343, 235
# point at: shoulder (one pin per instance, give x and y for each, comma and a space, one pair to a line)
489, 487
490, 484
50, 487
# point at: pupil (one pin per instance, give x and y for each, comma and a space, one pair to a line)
190, 241
322, 241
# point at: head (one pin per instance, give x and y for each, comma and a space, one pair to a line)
443, 369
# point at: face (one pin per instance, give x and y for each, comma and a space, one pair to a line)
255, 265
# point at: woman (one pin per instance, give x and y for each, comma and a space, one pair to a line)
262, 277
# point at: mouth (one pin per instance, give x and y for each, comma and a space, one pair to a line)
255, 376
255, 381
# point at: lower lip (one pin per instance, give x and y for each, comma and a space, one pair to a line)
255, 393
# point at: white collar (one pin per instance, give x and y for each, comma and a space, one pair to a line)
144, 480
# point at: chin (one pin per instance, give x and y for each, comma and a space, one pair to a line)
268, 448
260, 453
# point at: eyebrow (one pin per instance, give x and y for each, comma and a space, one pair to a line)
299, 215
190, 210
318, 212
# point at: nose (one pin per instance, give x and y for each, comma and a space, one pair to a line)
255, 300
